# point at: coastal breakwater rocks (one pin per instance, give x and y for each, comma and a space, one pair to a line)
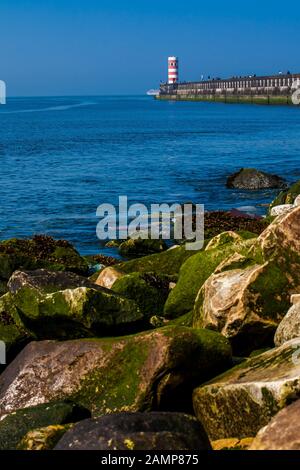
107, 277
250, 178
248, 294
64, 305
243, 400
149, 370
137, 431
39, 252
282, 432
196, 270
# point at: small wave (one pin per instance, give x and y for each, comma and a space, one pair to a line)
51, 108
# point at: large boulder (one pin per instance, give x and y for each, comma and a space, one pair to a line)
148, 290
14, 426
244, 399
282, 209
137, 431
250, 178
244, 304
39, 252
249, 292
107, 277
289, 327
156, 369
65, 305
282, 432
196, 270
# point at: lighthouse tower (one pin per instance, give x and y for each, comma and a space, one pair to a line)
172, 69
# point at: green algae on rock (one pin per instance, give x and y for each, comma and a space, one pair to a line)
17, 424
141, 247
148, 290
64, 305
195, 271
44, 438
287, 197
146, 371
40, 252
244, 399
167, 262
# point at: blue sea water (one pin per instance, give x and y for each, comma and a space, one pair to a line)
62, 157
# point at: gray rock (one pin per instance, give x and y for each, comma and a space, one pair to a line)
137, 431
244, 399
250, 178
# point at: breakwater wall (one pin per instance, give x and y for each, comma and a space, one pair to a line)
276, 89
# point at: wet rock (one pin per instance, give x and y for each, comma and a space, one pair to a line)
108, 277
44, 438
156, 369
250, 178
289, 327
137, 431
282, 432
65, 305
244, 399
14, 426
141, 247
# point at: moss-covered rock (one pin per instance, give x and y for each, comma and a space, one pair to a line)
167, 262
44, 438
141, 247
249, 293
137, 431
17, 424
288, 196
244, 399
152, 370
194, 273
65, 305
12, 331
39, 252
148, 290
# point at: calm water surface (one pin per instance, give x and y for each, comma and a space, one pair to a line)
62, 157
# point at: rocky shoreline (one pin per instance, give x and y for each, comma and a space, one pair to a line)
168, 350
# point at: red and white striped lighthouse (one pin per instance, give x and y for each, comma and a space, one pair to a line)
172, 69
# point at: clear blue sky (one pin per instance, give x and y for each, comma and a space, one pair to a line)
57, 47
